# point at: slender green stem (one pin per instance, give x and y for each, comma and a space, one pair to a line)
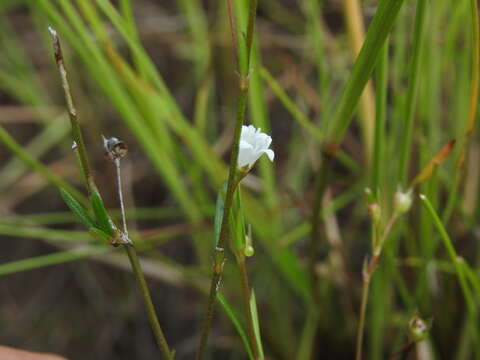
412, 91
378, 240
361, 322
472, 113
380, 113
232, 182
80, 149
247, 294
322, 178
147, 300
79, 144
321, 181
457, 262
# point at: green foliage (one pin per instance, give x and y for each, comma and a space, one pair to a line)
77, 209
173, 94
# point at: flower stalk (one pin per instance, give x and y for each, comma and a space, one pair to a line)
115, 150
232, 182
402, 204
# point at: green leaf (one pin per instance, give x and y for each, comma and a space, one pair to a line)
219, 205
77, 209
237, 223
52, 259
99, 234
256, 324
236, 323
103, 220
378, 31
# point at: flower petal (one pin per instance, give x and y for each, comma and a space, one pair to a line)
270, 154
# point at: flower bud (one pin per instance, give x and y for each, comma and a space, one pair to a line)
248, 251
375, 212
402, 201
418, 329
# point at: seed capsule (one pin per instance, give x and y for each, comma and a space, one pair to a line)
114, 148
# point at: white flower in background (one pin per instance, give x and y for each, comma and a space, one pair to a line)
253, 144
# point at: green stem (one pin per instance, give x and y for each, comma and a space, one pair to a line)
361, 322
412, 91
219, 253
457, 262
472, 114
147, 300
246, 297
380, 113
79, 144
321, 181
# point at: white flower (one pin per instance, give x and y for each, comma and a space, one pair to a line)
253, 144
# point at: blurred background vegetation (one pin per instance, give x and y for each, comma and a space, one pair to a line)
161, 76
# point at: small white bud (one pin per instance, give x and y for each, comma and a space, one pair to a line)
402, 201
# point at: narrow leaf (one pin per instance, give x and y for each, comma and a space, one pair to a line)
51, 259
99, 235
236, 323
103, 220
256, 323
382, 23
438, 159
237, 223
77, 208
219, 213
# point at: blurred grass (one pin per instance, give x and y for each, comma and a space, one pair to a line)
161, 76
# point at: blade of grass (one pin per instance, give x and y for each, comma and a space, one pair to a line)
414, 81
459, 269
236, 323
377, 33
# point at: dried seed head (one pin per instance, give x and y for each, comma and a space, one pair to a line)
114, 149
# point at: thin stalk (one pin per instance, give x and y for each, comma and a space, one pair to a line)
472, 112
137, 269
321, 181
414, 72
80, 149
380, 114
147, 300
457, 262
378, 240
475, 69
361, 322
79, 144
120, 196
232, 182
356, 33
322, 178
247, 294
